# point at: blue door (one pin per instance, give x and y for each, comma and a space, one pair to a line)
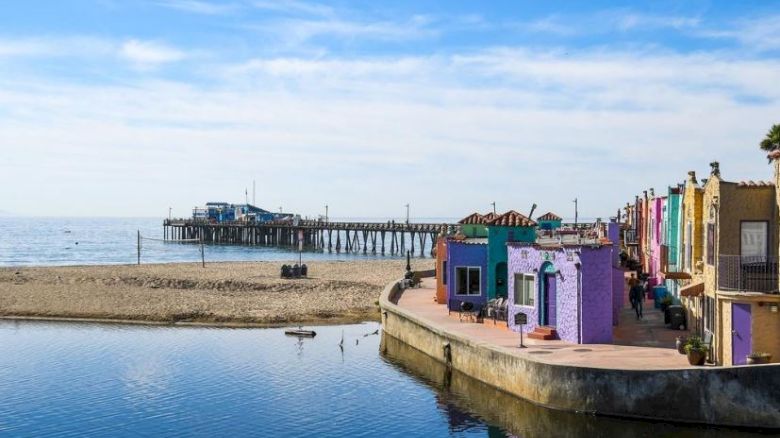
551, 296
741, 343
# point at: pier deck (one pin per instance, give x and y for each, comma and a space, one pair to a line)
349, 237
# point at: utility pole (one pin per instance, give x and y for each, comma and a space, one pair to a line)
169, 212
326, 213
494, 206
576, 213
407, 214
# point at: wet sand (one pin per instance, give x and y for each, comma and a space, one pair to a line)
234, 293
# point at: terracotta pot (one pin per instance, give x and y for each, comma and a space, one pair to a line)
696, 357
759, 360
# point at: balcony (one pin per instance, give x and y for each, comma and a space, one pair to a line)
747, 274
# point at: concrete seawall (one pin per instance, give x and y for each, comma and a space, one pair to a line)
745, 396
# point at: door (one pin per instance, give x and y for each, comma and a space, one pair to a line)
501, 277
740, 333
550, 299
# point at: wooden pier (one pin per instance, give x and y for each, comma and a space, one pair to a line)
348, 237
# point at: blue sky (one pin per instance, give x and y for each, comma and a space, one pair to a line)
117, 108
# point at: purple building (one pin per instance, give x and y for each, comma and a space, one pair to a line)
568, 290
466, 272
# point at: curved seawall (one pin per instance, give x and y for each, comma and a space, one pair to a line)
744, 396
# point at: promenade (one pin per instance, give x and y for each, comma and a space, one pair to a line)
644, 345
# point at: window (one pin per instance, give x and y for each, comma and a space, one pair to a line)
524, 290
444, 272
468, 280
709, 314
754, 241
711, 244
689, 247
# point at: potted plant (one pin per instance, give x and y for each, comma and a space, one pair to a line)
759, 357
680, 344
666, 301
696, 350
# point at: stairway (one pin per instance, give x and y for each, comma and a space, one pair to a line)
544, 333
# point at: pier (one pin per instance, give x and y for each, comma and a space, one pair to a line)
316, 235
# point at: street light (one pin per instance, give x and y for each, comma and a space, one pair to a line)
326, 213
494, 206
407, 214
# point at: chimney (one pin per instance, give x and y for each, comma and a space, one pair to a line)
531, 214
715, 168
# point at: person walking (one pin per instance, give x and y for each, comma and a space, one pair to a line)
636, 295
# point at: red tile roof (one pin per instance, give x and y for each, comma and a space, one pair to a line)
549, 216
473, 219
755, 184
489, 217
512, 219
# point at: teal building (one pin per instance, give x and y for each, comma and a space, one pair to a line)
671, 220
508, 227
474, 226
549, 221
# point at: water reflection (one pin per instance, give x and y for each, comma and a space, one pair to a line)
468, 403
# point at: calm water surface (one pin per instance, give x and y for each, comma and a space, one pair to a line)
65, 379
93, 241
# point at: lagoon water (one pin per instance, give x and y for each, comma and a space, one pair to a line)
40, 241
73, 379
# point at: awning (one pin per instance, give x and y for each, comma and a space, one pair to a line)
676, 275
692, 290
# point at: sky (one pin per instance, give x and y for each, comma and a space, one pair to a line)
116, 108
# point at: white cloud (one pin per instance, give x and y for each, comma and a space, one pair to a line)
200, 7
760, 34
501, 123
149, 53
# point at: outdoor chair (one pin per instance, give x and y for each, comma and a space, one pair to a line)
286, 271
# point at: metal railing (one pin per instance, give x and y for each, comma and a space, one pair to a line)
748, 274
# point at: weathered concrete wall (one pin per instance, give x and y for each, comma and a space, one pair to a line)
737, 396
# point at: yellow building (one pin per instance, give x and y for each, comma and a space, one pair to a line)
692, 248
740, 303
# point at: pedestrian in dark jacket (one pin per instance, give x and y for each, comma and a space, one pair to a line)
636, 295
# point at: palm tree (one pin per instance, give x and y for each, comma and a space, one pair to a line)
772, 140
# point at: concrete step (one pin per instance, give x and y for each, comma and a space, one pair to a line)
544, 333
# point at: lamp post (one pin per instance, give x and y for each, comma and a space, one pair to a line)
326, 213
494, 206
407, 214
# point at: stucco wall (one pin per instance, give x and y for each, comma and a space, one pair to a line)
466, 254
736, 396
441, 257
497, 240
693, 197
596, 279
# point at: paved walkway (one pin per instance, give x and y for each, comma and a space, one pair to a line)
651, 332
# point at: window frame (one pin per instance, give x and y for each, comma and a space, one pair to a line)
528, 289
468, 270
765, 223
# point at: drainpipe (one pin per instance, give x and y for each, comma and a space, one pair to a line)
579, 302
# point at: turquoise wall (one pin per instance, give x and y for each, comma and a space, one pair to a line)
549, 225
474, 230
672, 222
497, 254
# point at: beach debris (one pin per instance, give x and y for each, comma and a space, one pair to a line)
300, 332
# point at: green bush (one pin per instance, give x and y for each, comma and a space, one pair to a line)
695, 344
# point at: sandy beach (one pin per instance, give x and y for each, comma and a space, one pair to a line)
221, 293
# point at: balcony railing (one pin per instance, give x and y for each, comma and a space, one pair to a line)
748, 274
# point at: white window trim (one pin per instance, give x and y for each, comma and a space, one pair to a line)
533, 280
455, 269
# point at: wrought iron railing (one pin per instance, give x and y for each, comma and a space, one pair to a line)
748, 273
